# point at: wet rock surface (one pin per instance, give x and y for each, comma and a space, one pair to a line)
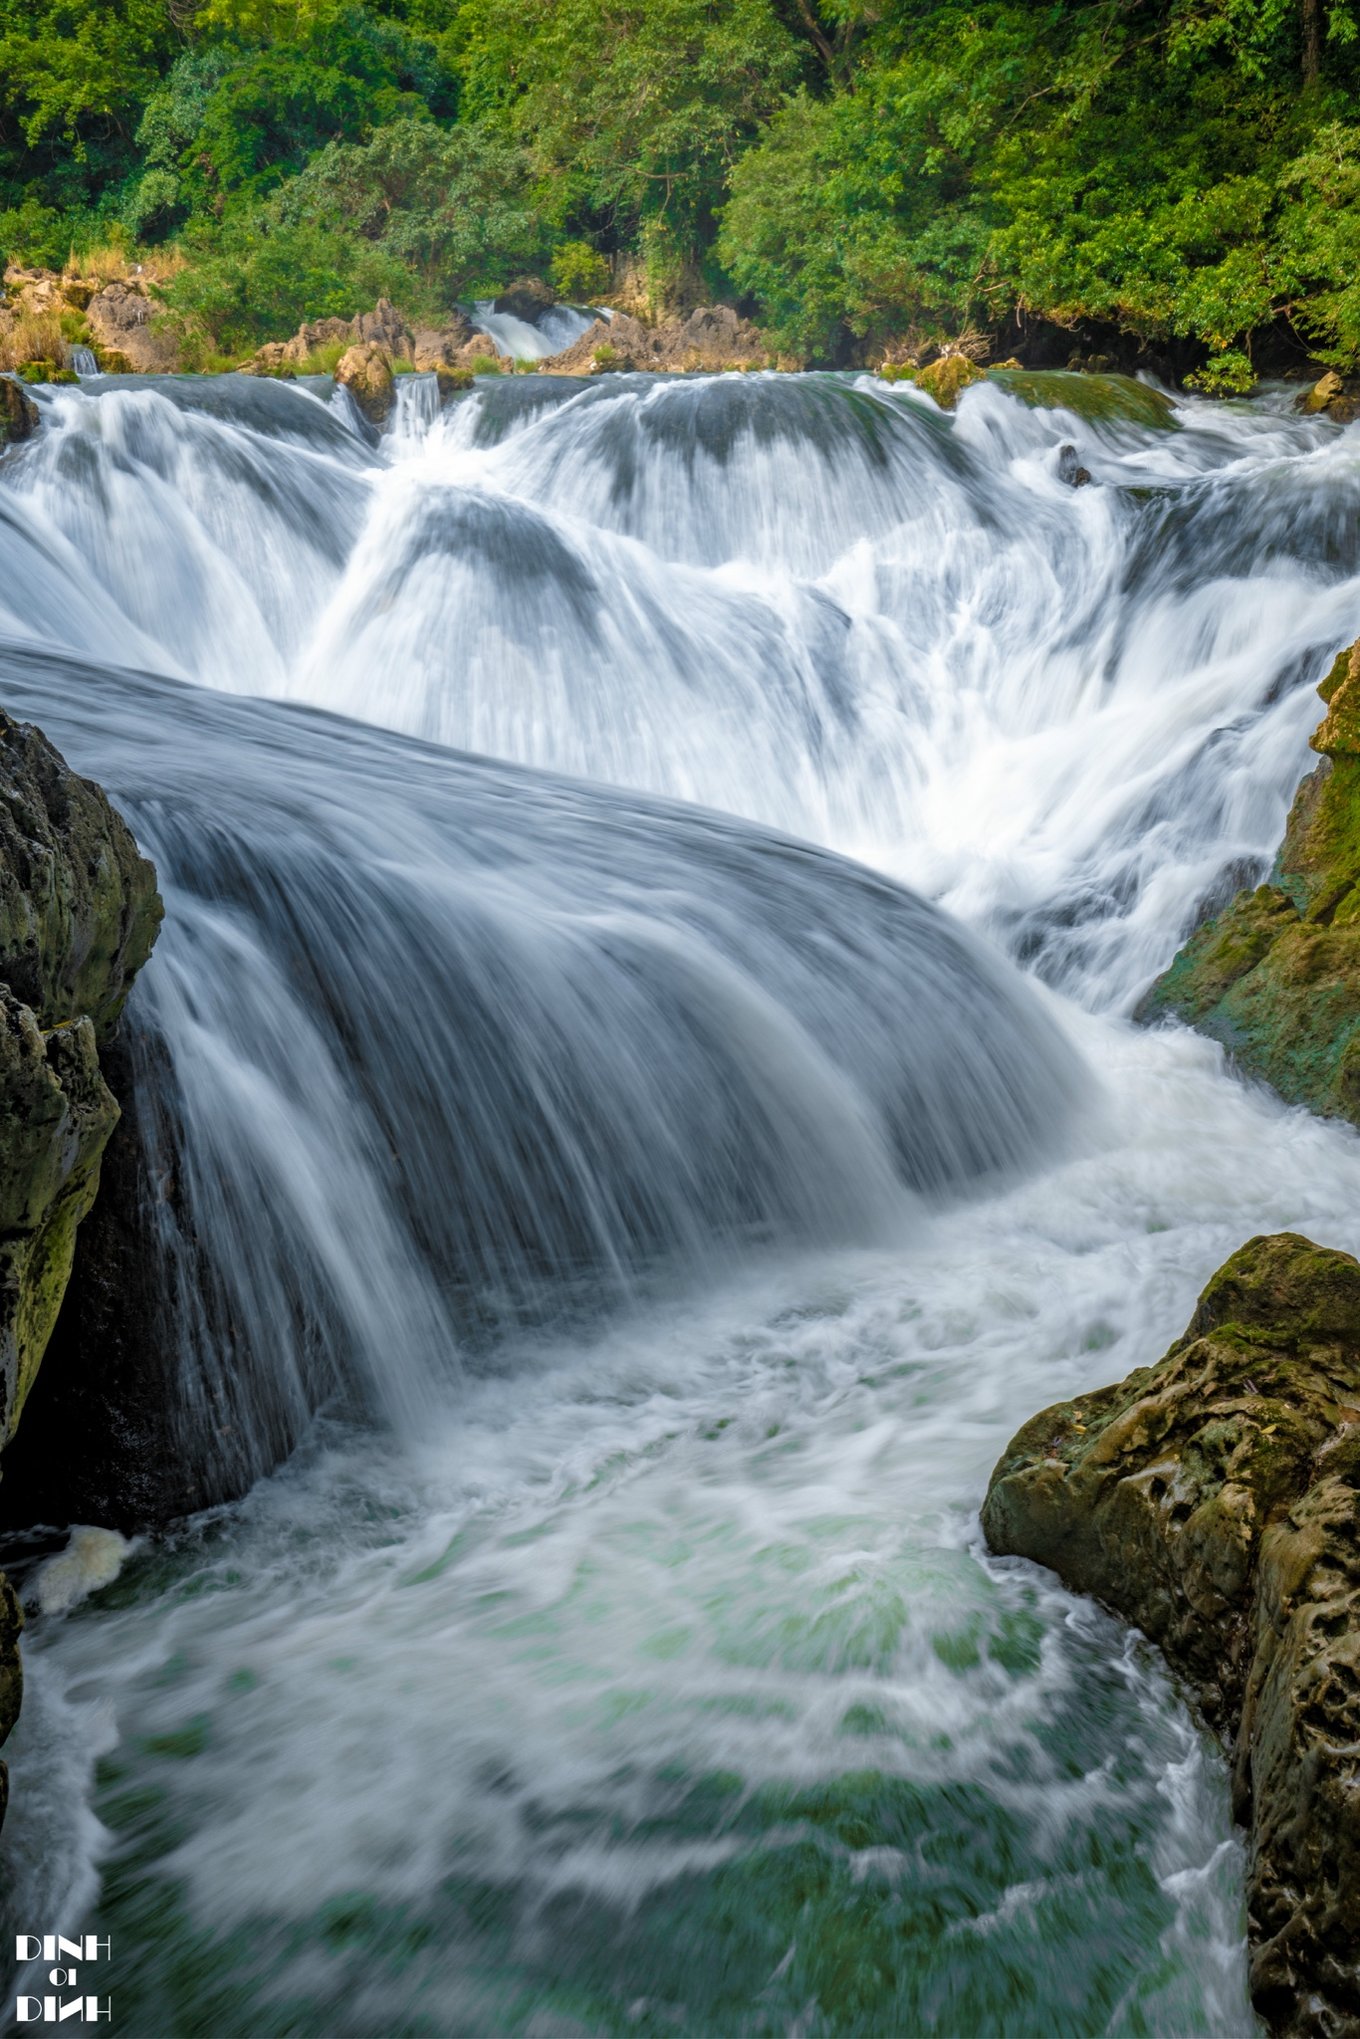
79, 911
1276, 976
1212, 1500
18, 412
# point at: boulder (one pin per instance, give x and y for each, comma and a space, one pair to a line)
1275, 976
18, 412
436, 347
120, 317
527, 298
1334, 397
1212, 1501
947, 378
79, 911
365, 371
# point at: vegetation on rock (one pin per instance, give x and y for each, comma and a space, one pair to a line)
1276, 976
1211, 1500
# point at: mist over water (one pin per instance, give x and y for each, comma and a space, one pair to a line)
670, 1220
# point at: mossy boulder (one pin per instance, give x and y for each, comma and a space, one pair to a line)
1098, 399
947, 378
1212, 1501
1276, 976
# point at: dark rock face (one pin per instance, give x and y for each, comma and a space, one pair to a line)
1276, 977
79, 911
527, 298
18, 412
1212, 1500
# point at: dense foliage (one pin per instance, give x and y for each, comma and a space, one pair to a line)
1179, 173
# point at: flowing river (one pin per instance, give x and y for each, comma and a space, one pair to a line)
657, 874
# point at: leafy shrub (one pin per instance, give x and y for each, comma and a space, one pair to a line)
578, 271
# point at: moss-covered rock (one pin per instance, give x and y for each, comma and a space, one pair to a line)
1276, 976
79, 911
947, 378
1099, 399
1212, 1500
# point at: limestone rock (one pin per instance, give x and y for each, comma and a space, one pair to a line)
18, 412
1334, 397
711, 338
365, 370
436, 347
1212, 1501
1276, 976
120, 317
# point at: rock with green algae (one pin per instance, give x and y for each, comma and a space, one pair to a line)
79, 911
1276, 976
1212, 1501
947, 378
1098, 399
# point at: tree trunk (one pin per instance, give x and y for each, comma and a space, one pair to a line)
1312, 41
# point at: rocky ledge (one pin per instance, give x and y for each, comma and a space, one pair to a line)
1212, 1500
1276, 976
79, 912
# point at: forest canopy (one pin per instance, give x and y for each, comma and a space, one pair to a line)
1182, 174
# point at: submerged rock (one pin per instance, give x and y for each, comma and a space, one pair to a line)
78, 914
1098, 399
1212, 1500
1276, 976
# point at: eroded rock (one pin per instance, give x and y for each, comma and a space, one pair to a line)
119, 316
1212, 1501
712, 338
79, 911
366, 372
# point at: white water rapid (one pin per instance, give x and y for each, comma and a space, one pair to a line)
648, 1225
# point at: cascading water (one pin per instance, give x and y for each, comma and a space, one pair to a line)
671, 1219
533, 340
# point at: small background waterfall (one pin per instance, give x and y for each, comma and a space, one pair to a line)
652, 1224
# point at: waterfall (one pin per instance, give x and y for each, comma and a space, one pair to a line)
655, 873
83, 361
520, 340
